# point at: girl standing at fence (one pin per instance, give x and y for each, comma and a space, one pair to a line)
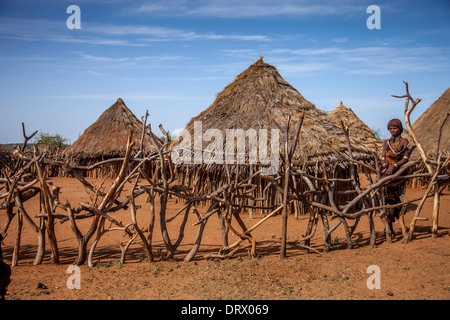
395, 154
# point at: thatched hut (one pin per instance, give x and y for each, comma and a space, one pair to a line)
426, 129
426, 126
107, 138
257, 97
254, 100
356, 127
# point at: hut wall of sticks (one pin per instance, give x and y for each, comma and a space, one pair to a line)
319, 165
5, 161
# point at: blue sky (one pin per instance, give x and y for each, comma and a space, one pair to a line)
173, 57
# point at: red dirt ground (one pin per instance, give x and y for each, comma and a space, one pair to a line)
414, 271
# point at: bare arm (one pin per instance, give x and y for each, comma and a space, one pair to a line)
405, 158
383, 154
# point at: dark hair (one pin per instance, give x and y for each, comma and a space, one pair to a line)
395, 123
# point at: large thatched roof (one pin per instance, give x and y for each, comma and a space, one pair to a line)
260, 95
107, 137
426, 126
356, 126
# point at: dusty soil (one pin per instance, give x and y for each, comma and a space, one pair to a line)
414, 271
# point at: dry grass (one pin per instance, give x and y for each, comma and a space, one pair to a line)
426, 126
107, 137
260, 95
356, 127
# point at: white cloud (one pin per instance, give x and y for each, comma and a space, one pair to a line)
340, 40
152, 59
152, 33
93, 73
38, 30
370, 60
34, 30
126, 96
96, 41
250, 8
102, 58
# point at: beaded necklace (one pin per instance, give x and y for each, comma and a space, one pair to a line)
393, 147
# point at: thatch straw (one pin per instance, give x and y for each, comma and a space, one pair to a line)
426, 126
357, 127
107, 137
260, 95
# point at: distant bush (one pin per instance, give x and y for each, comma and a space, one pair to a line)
52, 142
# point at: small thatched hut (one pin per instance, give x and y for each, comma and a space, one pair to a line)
107, 138
426, 126
356, 127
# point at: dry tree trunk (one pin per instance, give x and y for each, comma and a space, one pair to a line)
198, 240
109, 197
151, 223
147, 246
289, 153
164, 195
9, 203
40, 230
46, 205
433, 171
82, 239
15, 256
416, 217
436, 203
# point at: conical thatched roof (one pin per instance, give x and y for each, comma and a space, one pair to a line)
260, 95
356, 126
426, 126
107, 137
